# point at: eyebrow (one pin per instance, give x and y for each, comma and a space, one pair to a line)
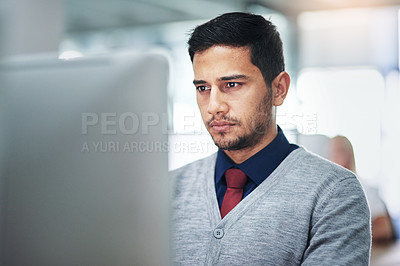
196, 82
239, 76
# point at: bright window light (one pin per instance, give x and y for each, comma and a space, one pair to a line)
347, 101
69, 55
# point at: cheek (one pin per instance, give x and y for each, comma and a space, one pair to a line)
202, 105
250, 111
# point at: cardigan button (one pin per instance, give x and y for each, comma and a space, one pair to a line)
218, 233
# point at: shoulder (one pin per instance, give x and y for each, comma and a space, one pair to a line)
321, 178
316, 167
328, 181
192, 177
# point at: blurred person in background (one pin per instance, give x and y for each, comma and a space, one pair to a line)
341, 152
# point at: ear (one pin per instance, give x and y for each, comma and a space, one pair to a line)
280, 87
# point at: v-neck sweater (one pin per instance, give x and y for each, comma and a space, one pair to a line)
308, 211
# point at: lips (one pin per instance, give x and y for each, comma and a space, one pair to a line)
221, 126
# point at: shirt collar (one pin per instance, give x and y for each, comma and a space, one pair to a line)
260, 165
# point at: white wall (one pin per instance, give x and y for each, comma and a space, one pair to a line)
31, 26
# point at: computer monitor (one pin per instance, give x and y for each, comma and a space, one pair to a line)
84, 161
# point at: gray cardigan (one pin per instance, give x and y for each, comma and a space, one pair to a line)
309, 211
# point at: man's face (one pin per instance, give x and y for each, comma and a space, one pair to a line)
234, 101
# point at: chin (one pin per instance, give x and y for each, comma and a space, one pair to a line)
233, 143
221, 140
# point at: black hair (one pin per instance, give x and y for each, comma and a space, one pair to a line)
238, 29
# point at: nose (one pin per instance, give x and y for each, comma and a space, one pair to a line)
217, 105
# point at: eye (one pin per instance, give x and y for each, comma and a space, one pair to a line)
202, 88
232, 84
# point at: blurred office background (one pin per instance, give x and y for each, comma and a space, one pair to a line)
343, 57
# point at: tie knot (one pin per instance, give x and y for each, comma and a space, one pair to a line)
235, 178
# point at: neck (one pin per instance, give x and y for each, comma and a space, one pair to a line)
239, 156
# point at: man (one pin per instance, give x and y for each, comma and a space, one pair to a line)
341, 152
259, 200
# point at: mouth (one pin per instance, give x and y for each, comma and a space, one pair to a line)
221, 126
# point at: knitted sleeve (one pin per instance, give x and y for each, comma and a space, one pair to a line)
341, 228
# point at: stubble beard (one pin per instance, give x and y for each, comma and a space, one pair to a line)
258, 127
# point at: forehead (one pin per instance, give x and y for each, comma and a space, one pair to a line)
218, 52
223, 60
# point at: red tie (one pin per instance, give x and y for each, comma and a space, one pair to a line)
235, 180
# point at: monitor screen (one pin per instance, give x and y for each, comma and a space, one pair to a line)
84, 160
